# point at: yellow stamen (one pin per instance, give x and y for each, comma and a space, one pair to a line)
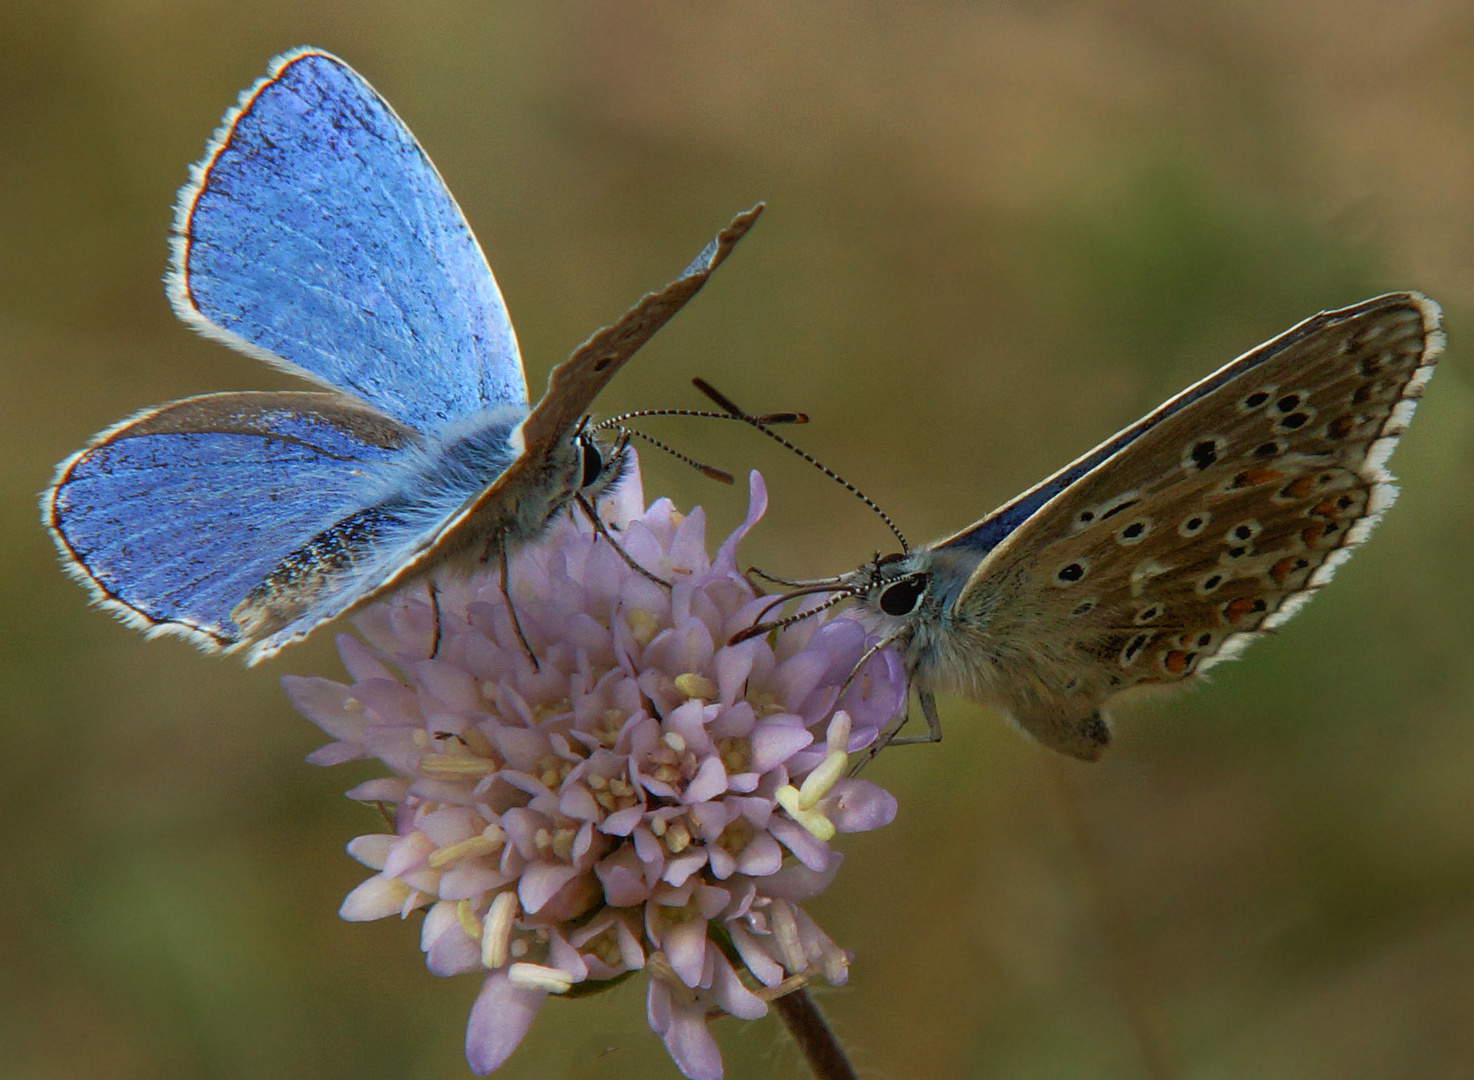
467, 918
817, 784
470, 848
694, 685
456, 766
540, 977
496, 930
819, 826
642, 626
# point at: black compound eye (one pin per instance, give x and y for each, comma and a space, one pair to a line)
593, 463
902, 597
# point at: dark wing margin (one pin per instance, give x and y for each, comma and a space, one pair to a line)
573, 384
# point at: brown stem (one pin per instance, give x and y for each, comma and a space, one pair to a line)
815, 1040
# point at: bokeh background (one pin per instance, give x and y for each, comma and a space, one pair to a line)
996, 233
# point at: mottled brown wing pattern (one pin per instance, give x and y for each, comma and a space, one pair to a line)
1219, 522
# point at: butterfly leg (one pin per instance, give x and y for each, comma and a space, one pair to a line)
933, 722
434, 591
512, 611
603, 530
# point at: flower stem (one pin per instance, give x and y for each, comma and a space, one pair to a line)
815, 1040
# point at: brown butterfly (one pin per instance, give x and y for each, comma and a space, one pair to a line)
1171, 546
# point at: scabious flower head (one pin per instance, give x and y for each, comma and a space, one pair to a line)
645, 797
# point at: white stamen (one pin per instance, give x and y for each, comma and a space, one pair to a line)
496, 930
540, 977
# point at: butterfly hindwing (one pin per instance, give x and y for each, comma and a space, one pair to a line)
172, 516
317, 235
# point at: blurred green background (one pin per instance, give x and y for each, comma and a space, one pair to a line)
996, 233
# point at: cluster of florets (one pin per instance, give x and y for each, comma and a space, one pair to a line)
644, 796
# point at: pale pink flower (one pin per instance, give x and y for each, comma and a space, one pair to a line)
648, 797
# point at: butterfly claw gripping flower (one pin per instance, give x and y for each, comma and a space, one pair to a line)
646, 797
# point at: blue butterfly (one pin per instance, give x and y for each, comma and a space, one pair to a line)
1169, 547
316, 235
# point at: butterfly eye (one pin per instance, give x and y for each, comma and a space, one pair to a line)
593, 463
902, 597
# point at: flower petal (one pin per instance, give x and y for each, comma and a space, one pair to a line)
499, 1019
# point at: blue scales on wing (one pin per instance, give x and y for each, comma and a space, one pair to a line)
317, 235
177, 514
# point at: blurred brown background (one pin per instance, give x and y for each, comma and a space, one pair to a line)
996, 233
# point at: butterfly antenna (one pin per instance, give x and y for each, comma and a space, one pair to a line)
810, 584
709, 471
758, 629
705, 414
618, 423
736, 413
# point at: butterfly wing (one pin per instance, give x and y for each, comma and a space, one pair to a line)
172, 517
1174, 544
317, 235
542, 478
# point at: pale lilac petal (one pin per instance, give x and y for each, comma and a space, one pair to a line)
541, 882
499, 1019
757, 505
762, 856
385, 789
362, 664
678, 869
373, 849
731, 995
337, 753
329, 705
775, 742
856, 805
685, 947
448, 951
811, 852
763, 967
690, 1044
798, 882
709, 782
376, 898
622, 822
622, 875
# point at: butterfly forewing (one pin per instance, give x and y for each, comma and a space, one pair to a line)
1211, 520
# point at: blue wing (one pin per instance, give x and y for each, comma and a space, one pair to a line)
317, 235
173, 516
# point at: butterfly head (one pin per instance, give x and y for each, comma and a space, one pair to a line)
603, 459
894, 584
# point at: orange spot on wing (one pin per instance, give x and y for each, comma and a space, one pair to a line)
1235, 610
1298, 489
1285, 567
1260, 474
